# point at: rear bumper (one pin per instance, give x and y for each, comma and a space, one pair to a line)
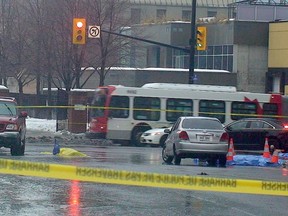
8, 139
197, 149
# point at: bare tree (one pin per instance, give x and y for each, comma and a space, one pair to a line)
64, 57
6, 19
40, 40
108, 50
17, 55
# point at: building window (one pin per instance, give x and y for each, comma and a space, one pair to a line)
215, 57
161, 14
180, 59
135, 15
186, 15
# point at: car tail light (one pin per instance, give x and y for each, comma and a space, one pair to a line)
183, 135
224, 137
285, 126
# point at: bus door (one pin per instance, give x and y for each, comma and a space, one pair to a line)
119, 125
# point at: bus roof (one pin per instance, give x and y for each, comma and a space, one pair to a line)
153, 69
190, 87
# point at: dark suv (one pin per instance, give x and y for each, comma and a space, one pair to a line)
12, 126
249, 134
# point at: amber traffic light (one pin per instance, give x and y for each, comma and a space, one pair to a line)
201, 43
79, 31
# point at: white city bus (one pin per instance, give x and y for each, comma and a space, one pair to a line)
123, 113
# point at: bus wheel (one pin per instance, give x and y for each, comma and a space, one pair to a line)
136, 134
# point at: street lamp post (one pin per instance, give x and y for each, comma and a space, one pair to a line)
192, 43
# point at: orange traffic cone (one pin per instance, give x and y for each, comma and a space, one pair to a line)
231, 151
275, 156
266, 153
231, 145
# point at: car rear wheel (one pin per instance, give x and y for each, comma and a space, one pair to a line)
177, 159
166, 158
222, 160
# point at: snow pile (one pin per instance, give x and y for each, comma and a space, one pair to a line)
34, 124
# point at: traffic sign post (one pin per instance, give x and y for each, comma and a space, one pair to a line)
94, 31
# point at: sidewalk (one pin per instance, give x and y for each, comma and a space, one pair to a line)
63, 137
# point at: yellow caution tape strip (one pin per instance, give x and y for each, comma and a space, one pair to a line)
143, 179
85, 107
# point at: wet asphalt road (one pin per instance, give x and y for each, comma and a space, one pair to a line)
22, 195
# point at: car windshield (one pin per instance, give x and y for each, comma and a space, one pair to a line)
7, 108
202, 124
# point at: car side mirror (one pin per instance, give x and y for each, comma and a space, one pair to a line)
167, 130
228, 128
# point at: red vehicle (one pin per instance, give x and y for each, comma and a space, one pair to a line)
12, 126
123, 113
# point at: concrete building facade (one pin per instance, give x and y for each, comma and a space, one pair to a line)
153, 11
240, 47
277, 76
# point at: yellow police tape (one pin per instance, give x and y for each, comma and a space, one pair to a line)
143, 179
87, 107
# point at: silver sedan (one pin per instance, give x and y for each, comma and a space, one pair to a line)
196, 137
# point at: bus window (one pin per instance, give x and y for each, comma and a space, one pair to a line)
146, 108
178, 107
270, 109
98, 103
119, 107
212, 108
239, 109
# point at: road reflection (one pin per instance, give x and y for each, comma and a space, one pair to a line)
285, 171
74, 199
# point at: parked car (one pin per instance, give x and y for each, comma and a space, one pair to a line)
196, 137
12, 126
249, 134
154, 137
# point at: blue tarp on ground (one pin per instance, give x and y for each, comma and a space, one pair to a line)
257, 160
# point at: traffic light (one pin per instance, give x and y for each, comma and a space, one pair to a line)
201, 38
79, 31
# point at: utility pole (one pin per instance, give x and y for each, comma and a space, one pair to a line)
192, 42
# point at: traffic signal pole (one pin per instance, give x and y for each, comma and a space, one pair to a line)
192, 43
147, 41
